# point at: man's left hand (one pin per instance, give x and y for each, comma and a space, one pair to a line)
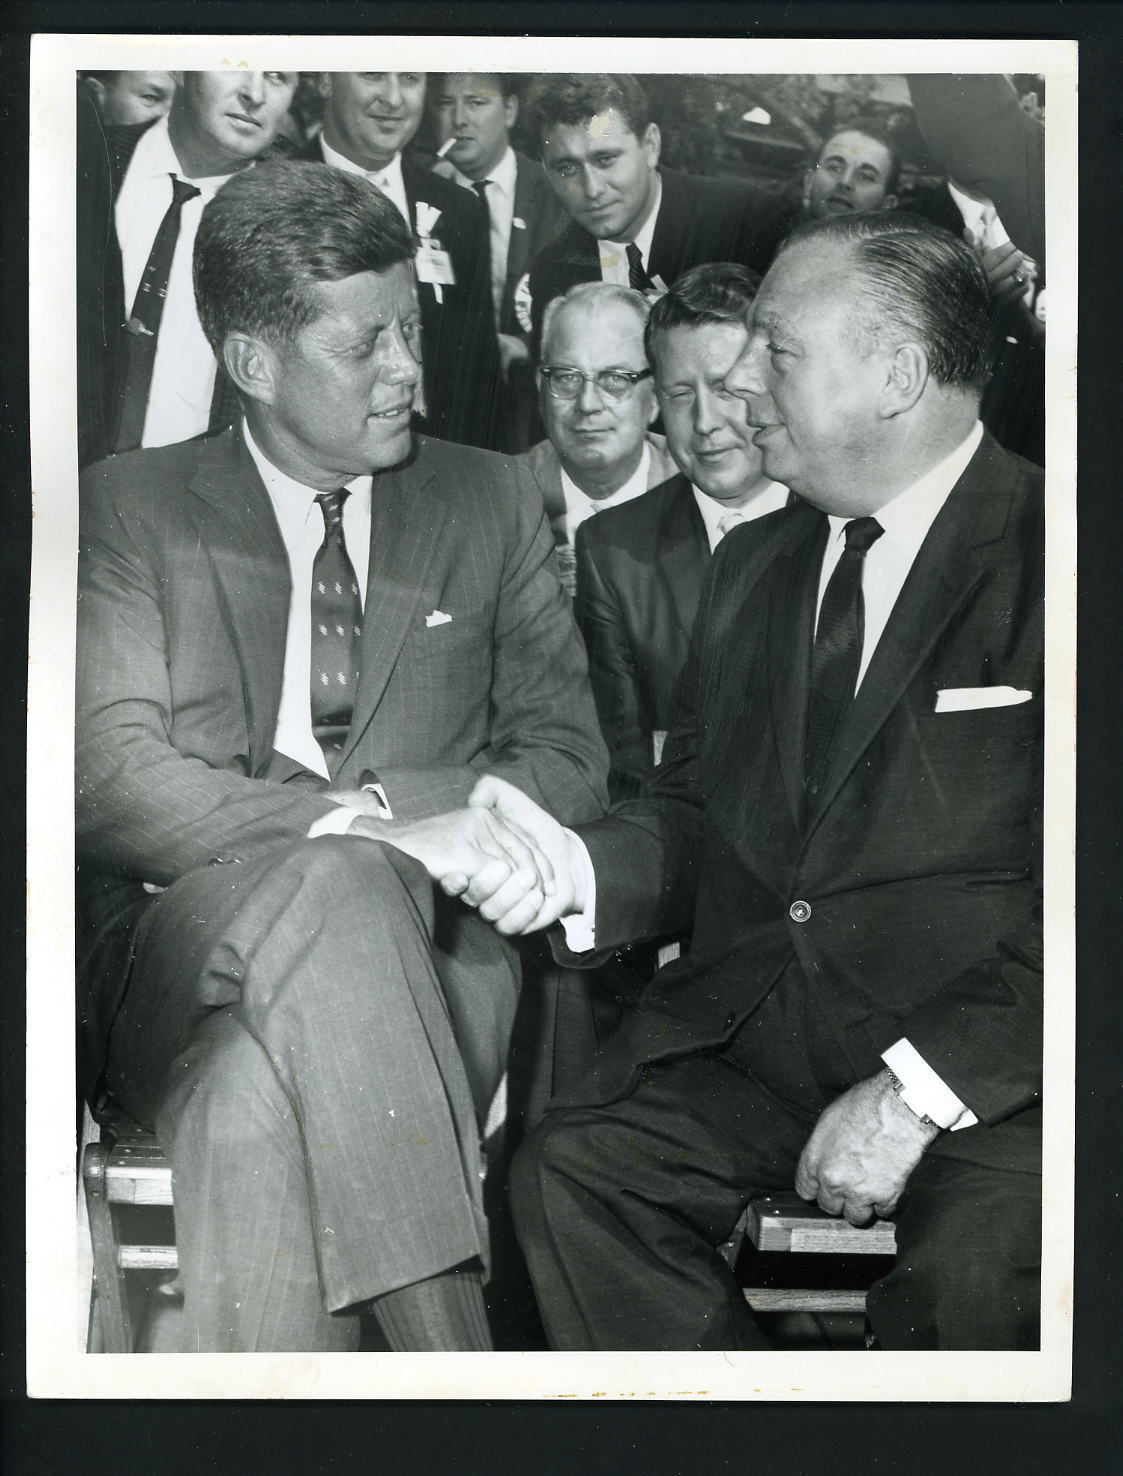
862, 1151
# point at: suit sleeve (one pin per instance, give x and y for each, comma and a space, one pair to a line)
980, 134
612, 673
544, 736
141, 806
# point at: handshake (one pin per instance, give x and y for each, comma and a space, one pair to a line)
503, 855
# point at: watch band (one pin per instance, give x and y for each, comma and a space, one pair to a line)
899, 1088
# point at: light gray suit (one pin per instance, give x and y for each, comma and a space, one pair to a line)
309, 1008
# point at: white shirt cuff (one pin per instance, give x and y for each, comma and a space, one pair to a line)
335, 822
923, 1092
580, 927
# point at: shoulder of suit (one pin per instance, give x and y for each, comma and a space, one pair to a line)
466, 465
636, 521
153, 480
434, 189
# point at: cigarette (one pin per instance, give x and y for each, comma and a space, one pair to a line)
444, 148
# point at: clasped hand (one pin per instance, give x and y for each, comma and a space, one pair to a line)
503, 855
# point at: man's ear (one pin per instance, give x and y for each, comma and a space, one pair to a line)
251, 366
510, 110
98, 88
652, 142
905, 380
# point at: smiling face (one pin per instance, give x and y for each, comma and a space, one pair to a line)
335, 402
220, 121
707, 429
814, 388
599, 440
369, 117
851, 175
603, 174
470, 108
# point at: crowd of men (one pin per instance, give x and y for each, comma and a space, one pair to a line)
485, 546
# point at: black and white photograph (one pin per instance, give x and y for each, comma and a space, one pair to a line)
559, 581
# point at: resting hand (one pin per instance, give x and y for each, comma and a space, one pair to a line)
555, 851
862, 1151
1009, 272
462, 847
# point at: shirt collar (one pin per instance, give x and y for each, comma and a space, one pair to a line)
391, 174
907, 517
154, 156
501, 178
771, 498
292, 501
644, 236
576, 499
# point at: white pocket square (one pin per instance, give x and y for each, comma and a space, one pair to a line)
967, 699
439, 617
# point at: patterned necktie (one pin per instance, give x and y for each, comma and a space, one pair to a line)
727, 522
837, 654
637, 277
337, 617
144, 321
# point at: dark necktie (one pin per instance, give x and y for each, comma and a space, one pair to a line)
837, 654
480, 187
144, 321
637, 277
337, 617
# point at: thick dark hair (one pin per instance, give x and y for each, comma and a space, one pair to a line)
273, 231
716, 292
572, 98
917, 279
510, 83
870, 128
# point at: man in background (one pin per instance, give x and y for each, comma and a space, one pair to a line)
148, 376
858, 169
641, 566
475, 112
630, 221
124, 98
369, 118
597, 402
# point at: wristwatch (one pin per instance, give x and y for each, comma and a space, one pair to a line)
899, 1088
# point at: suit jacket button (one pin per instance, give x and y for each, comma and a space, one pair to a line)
799, 911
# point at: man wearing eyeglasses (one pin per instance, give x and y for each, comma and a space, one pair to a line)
598, 403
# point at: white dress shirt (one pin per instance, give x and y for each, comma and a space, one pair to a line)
179, 401
500, 194
771, 498
613, 254
579, 505
302, 531
388, 180
907, 520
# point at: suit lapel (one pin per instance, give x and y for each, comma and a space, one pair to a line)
239, 532
526, 210
682, 553
943, 575
404, 533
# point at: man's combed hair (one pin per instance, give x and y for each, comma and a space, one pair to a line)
716, 292
572, 98
273, 232
918, 280
593, 295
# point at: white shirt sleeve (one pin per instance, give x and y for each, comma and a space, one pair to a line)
923, 1092
338, 821
580, 927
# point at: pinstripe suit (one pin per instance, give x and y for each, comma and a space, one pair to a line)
309, 1003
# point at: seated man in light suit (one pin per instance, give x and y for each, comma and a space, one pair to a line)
640, 567
848, 814
598, 404
299, 646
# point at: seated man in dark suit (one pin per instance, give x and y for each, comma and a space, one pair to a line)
640, 567
299, 645
475, 112
147, 376
595, 390
369, 117
849, 815
631, 222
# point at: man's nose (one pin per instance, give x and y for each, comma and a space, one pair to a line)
389, 90
459, 115
744, 375
592, 183
706, 418
251, 88
589, 397
402, 364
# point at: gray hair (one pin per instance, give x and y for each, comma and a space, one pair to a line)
593, 294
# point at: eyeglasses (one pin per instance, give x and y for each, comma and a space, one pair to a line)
617, 384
